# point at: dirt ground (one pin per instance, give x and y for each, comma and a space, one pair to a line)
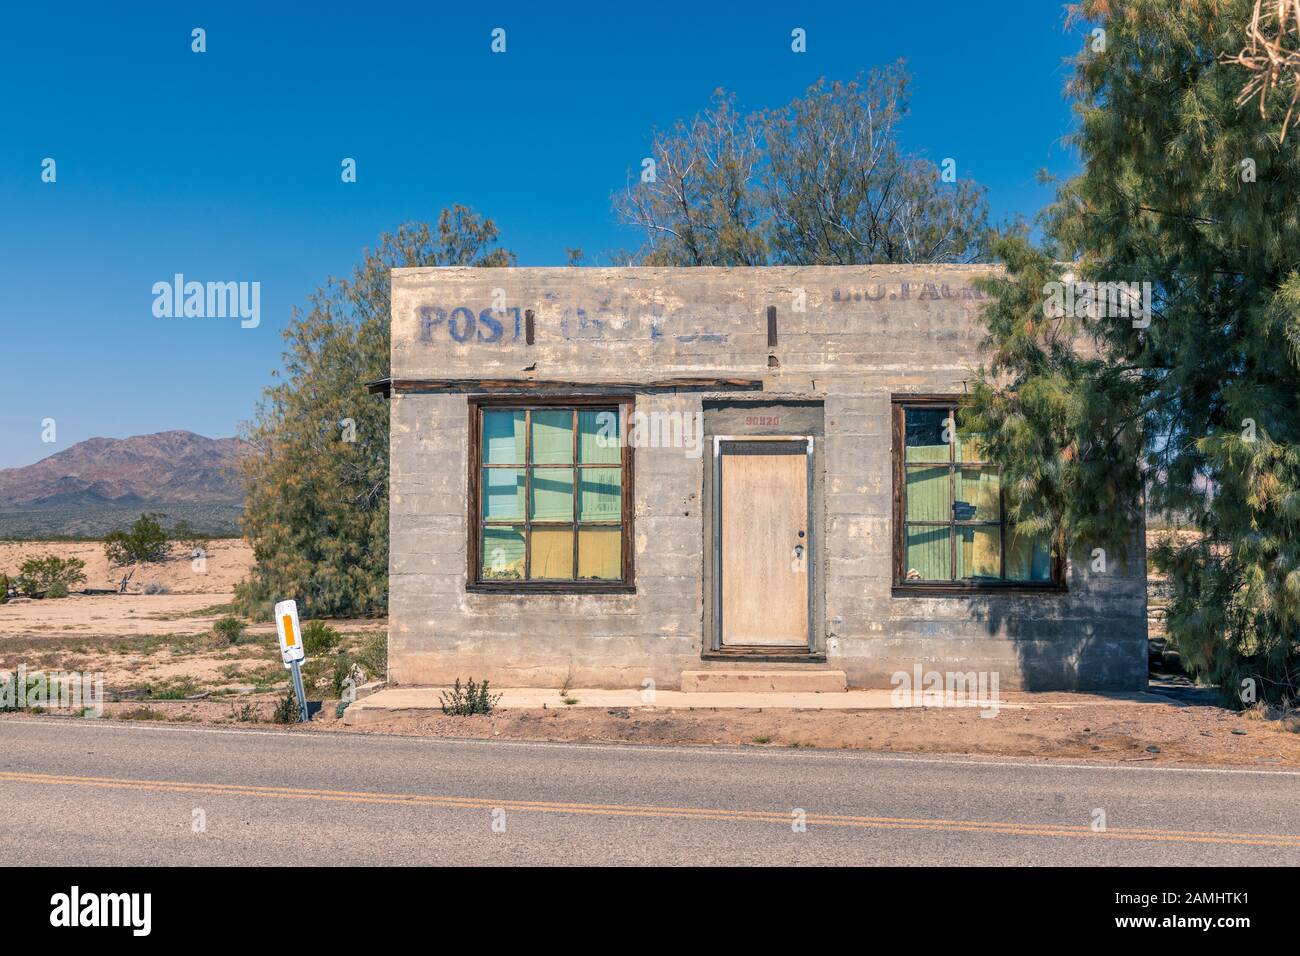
1090, 731
113, 615
150, 645
227, 561
155, 654
162, 661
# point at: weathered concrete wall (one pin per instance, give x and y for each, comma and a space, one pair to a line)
865, 332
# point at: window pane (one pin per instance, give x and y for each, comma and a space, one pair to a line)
928, 557
552, 553
927, 494
502, 554
979, 552
977, 495
598, 437
503, 493
1029, 558
970, 448
924, 428
600, 553
503, 437
552, 494
552, 436
601, 494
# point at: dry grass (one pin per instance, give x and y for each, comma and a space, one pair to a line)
1282, 716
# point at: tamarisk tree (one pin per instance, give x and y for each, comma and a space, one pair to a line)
819, 181
316, 486
1196, 403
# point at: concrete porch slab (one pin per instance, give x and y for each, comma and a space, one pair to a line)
426, 701
752, 680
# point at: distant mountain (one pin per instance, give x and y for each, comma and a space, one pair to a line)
168, 467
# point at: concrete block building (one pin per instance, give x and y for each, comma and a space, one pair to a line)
612, 475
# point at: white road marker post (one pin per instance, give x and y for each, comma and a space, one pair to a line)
291, 649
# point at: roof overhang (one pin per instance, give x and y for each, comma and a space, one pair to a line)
514, 386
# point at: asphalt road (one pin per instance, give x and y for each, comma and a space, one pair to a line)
86, 792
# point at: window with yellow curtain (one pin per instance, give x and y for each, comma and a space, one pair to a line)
551, 489
953, 529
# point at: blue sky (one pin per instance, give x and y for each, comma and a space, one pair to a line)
225, 165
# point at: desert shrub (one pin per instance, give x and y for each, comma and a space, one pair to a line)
39, 575
144, 543
154, 587
345, 667
231, 628
319, 639
173, 688
4, 588
373, 656
58, 589
10, 691
330, 671
244, 714
470, 699
315, 672
286, 709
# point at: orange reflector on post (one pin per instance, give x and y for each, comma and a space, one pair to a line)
289, 639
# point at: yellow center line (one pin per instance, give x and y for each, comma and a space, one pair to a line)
720, 814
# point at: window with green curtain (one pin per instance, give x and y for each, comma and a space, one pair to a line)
954, 526
551, 492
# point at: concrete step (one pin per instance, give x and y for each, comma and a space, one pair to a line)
820, 681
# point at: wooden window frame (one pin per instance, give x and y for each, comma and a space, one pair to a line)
480, 403
966, 586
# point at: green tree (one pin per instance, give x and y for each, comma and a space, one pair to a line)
698, 204
50, 575
821, 180
144, 543
1186, 189
316, 486
842, 192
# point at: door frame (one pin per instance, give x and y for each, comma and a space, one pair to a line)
810, 551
